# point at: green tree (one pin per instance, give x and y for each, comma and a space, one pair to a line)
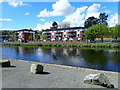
37, 36
44, 37
54, 25
92, 33
115, 32
96, 31
103, 31
12, 37
91, 21
30, 37
102, 18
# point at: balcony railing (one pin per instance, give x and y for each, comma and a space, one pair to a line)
71, 34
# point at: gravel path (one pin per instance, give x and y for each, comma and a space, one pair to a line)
54, 76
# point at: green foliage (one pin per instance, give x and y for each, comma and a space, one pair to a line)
44, 37
30, 37
54, 25
12, 38
83, 45
96, 31
94, 21
37, 37
102, 18
103, 30
7, 32
115, 31
90, 21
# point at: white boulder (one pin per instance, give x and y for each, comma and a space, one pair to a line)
36, 68
98, 79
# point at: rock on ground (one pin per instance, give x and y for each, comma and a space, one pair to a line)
98, 79
36, 68
5, 63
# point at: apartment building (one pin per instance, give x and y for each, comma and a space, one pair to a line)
23, 35
72, 33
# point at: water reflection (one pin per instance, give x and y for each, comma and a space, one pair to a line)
97, 59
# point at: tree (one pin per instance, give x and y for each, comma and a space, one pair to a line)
91, 21
12, 37
44, 37
92, 33
37, 37
30, 37
115, 32
96, 31
65, 25
102, 18
103, 31
54, 25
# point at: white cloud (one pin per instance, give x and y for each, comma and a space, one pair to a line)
42, 19
0, 25
93, 10
107, 11
113, 0
1, 1
46, 25
27, 13
113, 20
15, 3
77, 18
60, 8
4, 19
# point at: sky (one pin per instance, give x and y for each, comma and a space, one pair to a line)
39, 15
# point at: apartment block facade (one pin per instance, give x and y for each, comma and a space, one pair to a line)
72, 33
24, 34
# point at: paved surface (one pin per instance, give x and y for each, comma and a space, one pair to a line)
54, 76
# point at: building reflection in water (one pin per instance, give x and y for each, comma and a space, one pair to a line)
67, 56
103, 59
21, 50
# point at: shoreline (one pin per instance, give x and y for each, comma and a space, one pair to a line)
55, 76
64, 66
79, 45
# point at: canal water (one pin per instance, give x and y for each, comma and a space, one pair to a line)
100, 59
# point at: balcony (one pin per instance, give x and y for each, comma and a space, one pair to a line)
58, 34
72, 34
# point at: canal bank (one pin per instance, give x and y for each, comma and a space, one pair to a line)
65, 44
54, 76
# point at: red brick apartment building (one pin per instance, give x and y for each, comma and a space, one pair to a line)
24, 34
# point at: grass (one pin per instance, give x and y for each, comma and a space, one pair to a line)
88, 45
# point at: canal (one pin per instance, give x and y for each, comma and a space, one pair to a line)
100, 59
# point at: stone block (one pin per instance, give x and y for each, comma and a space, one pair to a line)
98, 79
5, 63
36, 68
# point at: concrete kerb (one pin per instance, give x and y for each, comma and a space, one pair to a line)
62, 66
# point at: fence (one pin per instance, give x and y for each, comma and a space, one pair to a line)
81, 41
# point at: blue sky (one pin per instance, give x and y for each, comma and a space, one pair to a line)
40, 15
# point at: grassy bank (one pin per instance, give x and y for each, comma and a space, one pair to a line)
89, 45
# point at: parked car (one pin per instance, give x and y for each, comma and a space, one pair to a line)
65, 39
78, 38
52, 39
70, 39
44, 40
